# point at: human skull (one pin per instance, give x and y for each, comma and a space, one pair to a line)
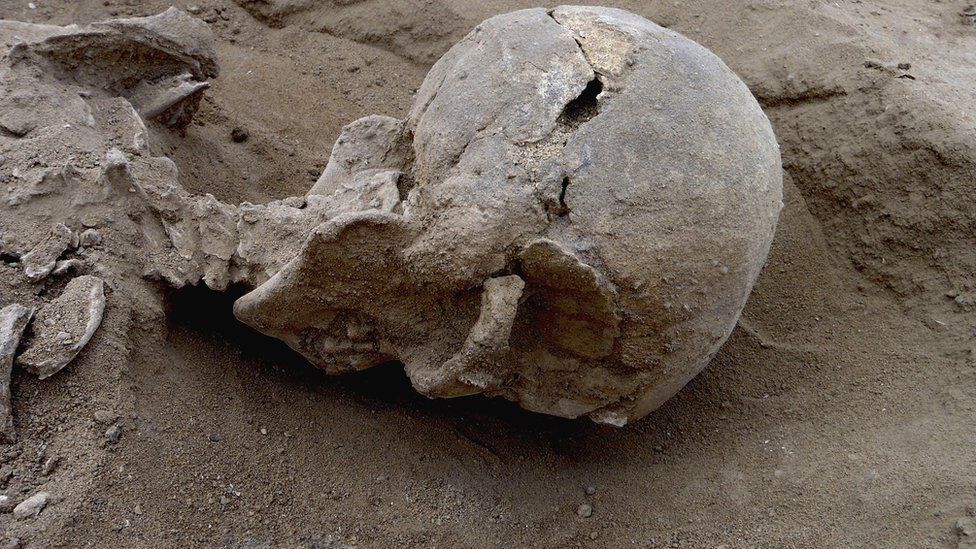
571, 217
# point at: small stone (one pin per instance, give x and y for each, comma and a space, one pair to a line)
585, 510
113, 434
31, 5
104, 417
594, 535
138, 509
239, 135
904, 66
98, 501
195, 10
214, 437
6, 504
264, 431
66, 266
50, 465
31, 506
590, 490
89, 238
659, 449
314, 172
966, 530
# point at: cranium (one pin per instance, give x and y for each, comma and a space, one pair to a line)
571, 217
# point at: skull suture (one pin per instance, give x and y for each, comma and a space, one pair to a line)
571, 216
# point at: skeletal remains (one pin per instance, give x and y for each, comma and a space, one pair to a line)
571, 216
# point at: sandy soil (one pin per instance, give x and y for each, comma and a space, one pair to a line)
841, 412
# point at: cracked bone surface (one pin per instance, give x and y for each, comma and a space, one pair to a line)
585, 201
571, 216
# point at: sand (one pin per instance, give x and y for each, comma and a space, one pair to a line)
840, 412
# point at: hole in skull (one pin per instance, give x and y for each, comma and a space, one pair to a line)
584, 107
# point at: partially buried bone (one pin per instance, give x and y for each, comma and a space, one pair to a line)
63, 327
583, 202
43, 258
571, 216
13, 320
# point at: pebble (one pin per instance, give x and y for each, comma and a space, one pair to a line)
239, 135
214, 438
590, 490
50, 465
66, 266
195, 10
113, 434
6, 504
105, 417
31, 506
585, 510
31, 5
89, 238
594, 535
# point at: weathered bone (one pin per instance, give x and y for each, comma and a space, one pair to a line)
571, 216
63, 327
13, 320
42, 259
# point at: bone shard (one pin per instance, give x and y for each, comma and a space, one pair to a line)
42, 259
13, 321
63, 327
